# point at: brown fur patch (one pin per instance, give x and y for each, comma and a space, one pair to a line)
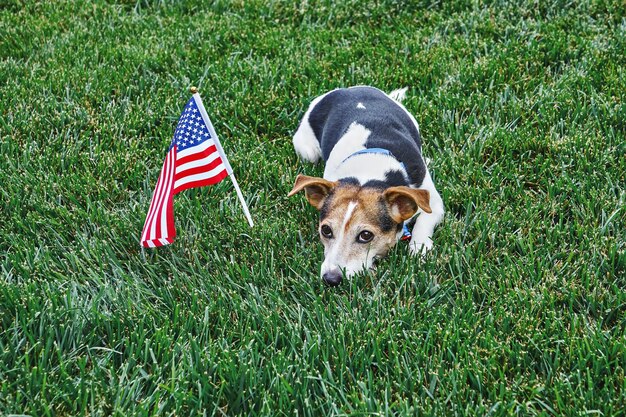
315, 189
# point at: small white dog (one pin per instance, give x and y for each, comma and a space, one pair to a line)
375, 179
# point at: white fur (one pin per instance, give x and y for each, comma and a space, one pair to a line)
335, 256
365, 167
353, 140
361, 106
351, 206
425, 223
304, 141
333, 252
399, 94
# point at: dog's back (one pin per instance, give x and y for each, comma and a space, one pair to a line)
388, 126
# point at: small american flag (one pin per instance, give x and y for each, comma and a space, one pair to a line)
195, 158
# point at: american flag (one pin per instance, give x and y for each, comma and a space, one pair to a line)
195, 158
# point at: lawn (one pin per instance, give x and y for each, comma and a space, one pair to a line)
520, 309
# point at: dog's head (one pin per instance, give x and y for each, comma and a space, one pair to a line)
358, 224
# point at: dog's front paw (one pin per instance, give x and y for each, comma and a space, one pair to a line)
420, 247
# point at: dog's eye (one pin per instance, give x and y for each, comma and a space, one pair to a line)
365, 236
326, 231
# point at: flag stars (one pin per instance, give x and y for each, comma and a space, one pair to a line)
191, 129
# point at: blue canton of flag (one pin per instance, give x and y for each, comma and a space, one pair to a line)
191, 129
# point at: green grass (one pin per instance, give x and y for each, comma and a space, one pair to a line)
519, 310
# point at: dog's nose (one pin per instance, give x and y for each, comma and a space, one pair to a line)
332, 278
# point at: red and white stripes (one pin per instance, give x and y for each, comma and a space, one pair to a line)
159, 229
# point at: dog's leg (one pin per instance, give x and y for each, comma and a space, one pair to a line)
421, 241
305, 143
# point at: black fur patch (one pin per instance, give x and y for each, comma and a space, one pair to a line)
377, 184
395, 178
326, 206
384, 219
349, 181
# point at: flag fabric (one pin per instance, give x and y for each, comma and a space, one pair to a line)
195, 158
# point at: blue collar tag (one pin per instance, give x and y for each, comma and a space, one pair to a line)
406, 234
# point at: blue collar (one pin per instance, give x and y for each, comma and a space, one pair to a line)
374, 150
370, 150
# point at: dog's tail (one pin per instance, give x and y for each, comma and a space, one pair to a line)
399, 94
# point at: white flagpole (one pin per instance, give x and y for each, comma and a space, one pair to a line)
220, 150
243, 202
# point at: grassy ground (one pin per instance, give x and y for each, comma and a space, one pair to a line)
519, 310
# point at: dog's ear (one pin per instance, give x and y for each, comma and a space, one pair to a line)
315, 189
403, 202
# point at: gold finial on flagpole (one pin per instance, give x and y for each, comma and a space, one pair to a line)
193, 90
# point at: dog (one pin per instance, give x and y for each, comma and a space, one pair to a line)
375, 178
